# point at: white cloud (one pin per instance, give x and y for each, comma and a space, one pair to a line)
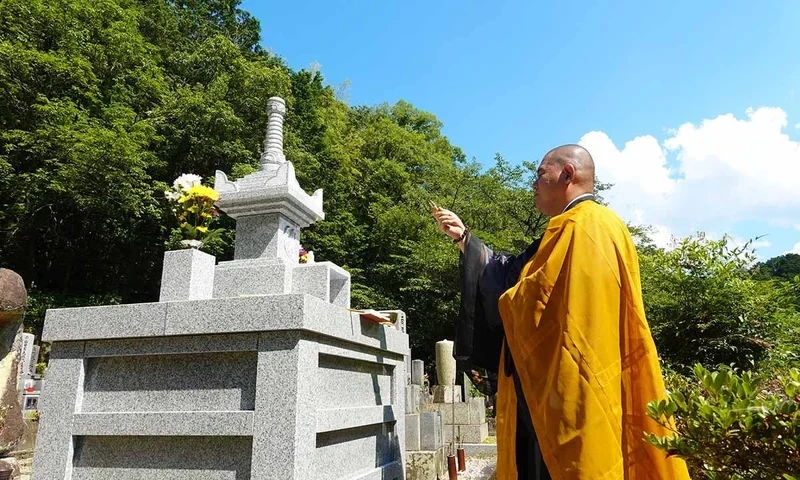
662, 237
797, 125
796, 249
724, 170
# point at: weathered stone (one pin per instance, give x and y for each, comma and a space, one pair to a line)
412, 432
427, 465
471, 412
412, 399
445, 363
13, 300
10, 463
446, 394
13, 296
430, 431
417, 372
466, 433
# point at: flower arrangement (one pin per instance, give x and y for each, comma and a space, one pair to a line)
193, 206
306, 256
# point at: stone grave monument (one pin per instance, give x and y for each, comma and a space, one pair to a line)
464, 419
426, 456
254, 368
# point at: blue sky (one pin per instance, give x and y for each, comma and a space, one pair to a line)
659, 93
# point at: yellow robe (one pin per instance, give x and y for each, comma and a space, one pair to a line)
576, 330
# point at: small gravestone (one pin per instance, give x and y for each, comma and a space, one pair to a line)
417, 372
446, 390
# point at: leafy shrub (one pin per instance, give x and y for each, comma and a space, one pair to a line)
704, 306
728, 426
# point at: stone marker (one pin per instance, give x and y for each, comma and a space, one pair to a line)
445, 363
412, 432
417, 372
412, 399
430, 431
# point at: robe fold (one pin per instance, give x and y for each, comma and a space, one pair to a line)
485, 276
582, 352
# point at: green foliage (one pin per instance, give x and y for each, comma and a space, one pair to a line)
728, 426
785, 267
107, 101
193, 206
704, 306
39, 302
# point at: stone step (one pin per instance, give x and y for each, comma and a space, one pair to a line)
426, 465
472, 412
480, 449
466, 433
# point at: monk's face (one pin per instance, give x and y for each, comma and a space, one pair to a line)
550, 187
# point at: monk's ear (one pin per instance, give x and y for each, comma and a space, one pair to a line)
568, 173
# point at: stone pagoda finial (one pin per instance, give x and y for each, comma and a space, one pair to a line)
273, 144
269, 206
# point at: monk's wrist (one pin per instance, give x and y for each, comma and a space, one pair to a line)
461, 237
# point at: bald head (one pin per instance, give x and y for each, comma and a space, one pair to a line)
580, 159
565, 173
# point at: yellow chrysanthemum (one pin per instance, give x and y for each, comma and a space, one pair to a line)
202, 229
203, 191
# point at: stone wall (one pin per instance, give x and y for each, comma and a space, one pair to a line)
313, 393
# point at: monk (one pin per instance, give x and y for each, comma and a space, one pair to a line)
563, 326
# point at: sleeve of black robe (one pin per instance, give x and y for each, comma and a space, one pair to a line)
484, 276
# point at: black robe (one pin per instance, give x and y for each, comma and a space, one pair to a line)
485, 276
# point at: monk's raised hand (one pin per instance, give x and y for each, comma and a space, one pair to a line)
449, 223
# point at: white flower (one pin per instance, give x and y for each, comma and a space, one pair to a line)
187, 181
172, 195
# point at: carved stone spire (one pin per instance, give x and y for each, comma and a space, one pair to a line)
273, 145
269, 206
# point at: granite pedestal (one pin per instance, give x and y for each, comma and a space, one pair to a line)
464, 422
276, 386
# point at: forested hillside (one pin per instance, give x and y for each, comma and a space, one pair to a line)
105, 102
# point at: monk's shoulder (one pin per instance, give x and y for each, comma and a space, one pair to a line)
598, 220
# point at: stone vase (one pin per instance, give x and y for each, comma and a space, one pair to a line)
188, 274
445, 363
196, 244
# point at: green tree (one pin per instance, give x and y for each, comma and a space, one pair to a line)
785, 267
703, 305
107, 101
